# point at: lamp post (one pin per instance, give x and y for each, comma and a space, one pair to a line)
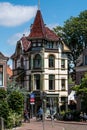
58, 74
43, 96
1, 123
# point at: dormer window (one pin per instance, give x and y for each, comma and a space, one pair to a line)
50, 45
34, 44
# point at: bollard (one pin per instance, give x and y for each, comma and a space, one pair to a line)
1, 123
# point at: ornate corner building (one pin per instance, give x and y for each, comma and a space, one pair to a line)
40, 64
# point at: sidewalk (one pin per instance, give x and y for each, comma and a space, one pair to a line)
39, 125
47, 125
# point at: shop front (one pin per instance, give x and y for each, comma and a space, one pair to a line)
49, 103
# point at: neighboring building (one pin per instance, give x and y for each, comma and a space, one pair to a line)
81, 66
40, 64
81, 69
9, 73
3, 70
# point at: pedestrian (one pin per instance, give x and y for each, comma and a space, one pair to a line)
26, 116
40, 113
52, 113
81, 116
85, 117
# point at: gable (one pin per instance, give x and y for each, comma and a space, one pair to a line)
2, 57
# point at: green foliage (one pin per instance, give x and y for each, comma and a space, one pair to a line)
70, 81
74, 115
3, 93
81, 90
74, 33
14, 86
59, 31
4, 110
11, 104
16, 101
14, 119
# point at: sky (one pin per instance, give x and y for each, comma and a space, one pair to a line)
16, 16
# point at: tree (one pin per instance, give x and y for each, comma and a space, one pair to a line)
74, 34
12, 104
59, 31
16, 102
3, 94
15, 98
14, 86
4, 108
81, 91
14, 89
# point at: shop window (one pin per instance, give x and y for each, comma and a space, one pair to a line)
63, 99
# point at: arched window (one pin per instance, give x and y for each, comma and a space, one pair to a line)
51, 61
37, 61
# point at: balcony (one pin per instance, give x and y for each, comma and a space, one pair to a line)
19, 71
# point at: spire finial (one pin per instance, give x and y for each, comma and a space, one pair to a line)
38, 4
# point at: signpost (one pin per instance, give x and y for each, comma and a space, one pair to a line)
43, 98
32, 101
32, 98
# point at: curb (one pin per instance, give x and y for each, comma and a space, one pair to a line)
67, 122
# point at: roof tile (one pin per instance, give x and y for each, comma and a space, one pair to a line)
39, 30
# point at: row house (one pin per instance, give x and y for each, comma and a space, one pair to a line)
80, 70
40, 65
3, 71
81, 66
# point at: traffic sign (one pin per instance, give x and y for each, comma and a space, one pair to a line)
32, 95
32, 98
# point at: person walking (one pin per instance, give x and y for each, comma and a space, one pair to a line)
26, 116
40, 113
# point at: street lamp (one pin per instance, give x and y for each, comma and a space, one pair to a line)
43, 98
